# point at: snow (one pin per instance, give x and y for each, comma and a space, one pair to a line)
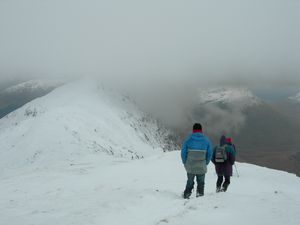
86, 155
238, 97
104, 190
77, 119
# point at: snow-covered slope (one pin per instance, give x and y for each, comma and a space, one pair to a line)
74, 121
148, 192
237, 97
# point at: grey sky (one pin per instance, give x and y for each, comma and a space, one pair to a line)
213, 42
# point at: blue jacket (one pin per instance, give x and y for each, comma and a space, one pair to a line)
196, 141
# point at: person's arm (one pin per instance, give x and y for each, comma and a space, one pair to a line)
231, 155
234, 148
184, 151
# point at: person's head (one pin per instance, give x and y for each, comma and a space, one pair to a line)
197, 127
228, 141
223, 140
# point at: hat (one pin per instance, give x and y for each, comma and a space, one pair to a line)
197, 127
228, 140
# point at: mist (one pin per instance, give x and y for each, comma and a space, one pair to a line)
161, 51
246, 40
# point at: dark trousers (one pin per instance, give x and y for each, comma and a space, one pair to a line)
220, 181
190, 183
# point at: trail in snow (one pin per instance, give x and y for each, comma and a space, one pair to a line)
104, 190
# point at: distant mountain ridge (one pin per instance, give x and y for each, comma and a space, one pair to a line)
237, 97
32, 86
15, 96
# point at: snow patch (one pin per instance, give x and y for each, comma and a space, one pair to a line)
236, 97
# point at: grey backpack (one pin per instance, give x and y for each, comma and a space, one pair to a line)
220, 154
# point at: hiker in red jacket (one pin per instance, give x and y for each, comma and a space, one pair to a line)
223, 158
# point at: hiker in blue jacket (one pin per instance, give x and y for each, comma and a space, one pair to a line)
196, 154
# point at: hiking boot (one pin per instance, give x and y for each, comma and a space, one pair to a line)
224, 188
186, 194
218, 189
200, 191
199, 194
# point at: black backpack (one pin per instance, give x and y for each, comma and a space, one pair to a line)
220, 154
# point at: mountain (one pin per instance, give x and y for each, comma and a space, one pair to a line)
263, 134
74, 120
86, 154
15, 96
222, 110
31, 86
235, 97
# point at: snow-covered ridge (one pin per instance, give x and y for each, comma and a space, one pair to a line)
240, 97
75, 121
32, 85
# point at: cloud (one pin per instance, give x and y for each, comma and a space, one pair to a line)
208, 41
218, 121
161, 51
